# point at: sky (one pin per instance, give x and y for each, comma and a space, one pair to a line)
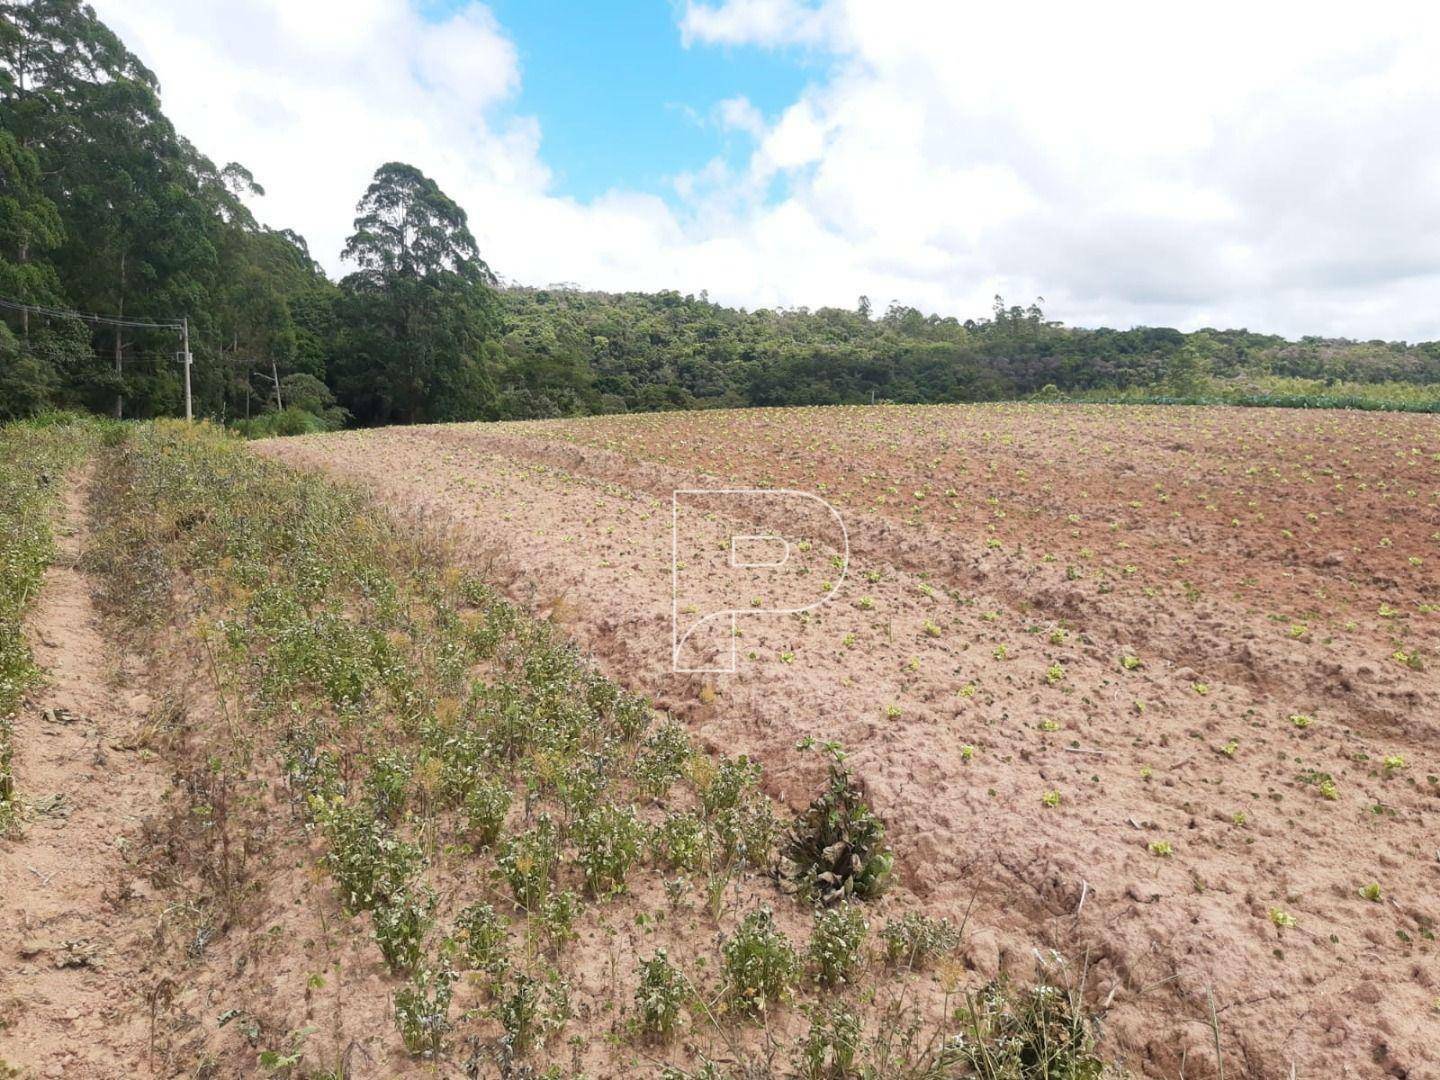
1273, 165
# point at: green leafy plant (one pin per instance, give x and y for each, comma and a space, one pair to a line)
527, 862
530, 1010
284, 1062
679, 841
831, 1048
837, 942
402, 920
557, 916
609, 844
661, 759
759, 964
388, 784
836, 848
914, 940
659, 997
484, 937
486, 805
368, 861
1042, 1033
422, 1011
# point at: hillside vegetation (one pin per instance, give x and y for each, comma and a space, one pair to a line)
108, 209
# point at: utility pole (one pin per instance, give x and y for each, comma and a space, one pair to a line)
273, 378
120, 323
185, 345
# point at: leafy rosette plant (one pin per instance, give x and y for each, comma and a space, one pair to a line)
836, 849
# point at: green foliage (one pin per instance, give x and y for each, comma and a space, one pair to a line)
557, 915
484, 937
422, 1011
369, 862
284, 1062
727, 784
837, 943
36, 456
387, 785
914, 940
527, 862
415, 314
486, 805
759, 964
661, 759
609, 840
679, 841
836, 849
831, 1048
402, 921
530, 1010
1039, 1034
659, 996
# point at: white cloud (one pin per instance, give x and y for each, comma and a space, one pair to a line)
1270, 165
758, 22
740, 114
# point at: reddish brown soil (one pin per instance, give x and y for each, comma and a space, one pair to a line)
76, 924
1259, 563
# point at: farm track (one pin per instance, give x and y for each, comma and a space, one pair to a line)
584, 533
76, 926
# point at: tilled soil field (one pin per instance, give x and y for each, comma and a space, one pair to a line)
1152, 694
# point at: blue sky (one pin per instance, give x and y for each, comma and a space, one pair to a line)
1132, 164
623, 103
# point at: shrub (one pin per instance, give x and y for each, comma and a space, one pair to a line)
722, 786
369, 863
748, 830
829, 1050
557, 917
759, 964
661, 760
530, 1010
387, 785
679, 842
519, 1012
1010, 1034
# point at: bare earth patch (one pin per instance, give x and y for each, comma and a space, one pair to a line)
1157, 686
76, 923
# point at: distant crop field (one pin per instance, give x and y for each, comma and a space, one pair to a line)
1148, 692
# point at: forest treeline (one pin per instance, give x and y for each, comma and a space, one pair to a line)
106, 208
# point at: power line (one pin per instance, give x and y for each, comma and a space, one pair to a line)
137, 324
112, 320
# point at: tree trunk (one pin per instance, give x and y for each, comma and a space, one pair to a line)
119, 349
119, 373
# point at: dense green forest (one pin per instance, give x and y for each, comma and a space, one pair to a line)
106, 208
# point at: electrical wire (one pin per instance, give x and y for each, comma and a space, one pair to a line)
61, 313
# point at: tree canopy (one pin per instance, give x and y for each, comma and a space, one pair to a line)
105, 208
